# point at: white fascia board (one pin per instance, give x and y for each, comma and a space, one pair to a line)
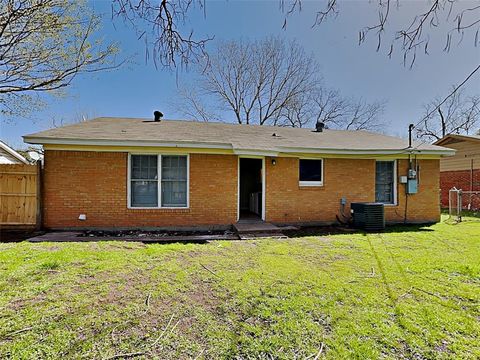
446, 152
252, 152
145, 143
443, 152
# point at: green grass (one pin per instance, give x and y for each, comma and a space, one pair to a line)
410, 292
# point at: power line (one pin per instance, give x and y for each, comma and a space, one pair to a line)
450, 95
443, 102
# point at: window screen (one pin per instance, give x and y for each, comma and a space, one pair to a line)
311, 170
144, 181
174, 181
385, 182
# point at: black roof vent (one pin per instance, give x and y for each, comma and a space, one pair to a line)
319, 126
157, 116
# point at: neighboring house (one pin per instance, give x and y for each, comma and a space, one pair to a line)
10, 156
461, 171
132, 173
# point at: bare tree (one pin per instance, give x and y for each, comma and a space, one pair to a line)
44, 45
329, 106
171, 43
72, 118
460, 114
364, 116
163, 20
193, 105
460, 19
272, 82
256, 80
334, 110
298, 112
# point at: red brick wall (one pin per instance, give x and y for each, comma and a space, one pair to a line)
287, 202
95, 184
354, 179
423, 206
461, 179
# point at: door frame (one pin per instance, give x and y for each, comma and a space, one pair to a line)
263, 183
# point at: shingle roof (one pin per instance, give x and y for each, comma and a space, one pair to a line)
180, 133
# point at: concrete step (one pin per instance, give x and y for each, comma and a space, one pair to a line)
260, 227
252, 236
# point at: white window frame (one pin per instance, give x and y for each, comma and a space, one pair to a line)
395, 181
159, 182
311, 183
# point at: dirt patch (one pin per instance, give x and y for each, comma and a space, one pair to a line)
318, 231
126, 246
148, 234
203, 294
20, 303
46, 248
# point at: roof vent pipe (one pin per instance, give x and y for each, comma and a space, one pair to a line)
319, 126
157, 116
410, 128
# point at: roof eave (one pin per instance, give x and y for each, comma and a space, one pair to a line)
455, 136
442, 152
228, 146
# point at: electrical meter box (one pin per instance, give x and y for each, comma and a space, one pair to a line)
412, 186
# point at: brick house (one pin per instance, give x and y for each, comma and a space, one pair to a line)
133, 173
462, 170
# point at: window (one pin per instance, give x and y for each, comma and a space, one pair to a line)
174, 181
158, 181
311, 172
385, 180
144, 181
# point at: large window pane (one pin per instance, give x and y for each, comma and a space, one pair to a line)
144, 193
174, 181
144, 167
174, 193
144, 180
385, 182
310, 170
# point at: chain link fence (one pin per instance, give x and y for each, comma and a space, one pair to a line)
463, 203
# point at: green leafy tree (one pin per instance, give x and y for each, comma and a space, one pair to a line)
44, 45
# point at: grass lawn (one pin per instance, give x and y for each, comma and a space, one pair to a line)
410, 292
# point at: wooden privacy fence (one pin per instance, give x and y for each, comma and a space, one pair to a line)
20, 195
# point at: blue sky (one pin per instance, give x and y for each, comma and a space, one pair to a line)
137, 89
